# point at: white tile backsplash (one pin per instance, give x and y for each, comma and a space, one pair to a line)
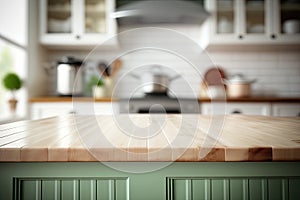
277, 72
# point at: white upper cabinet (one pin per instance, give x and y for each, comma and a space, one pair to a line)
286, 21
76, 22
252, 21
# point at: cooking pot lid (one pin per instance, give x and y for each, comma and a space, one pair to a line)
240, 79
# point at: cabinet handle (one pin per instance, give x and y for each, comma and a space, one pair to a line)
72, 112
78, 37
273, 36
236, 112
241, 37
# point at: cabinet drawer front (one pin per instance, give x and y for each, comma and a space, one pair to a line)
236, 108
286, 110
233, 188
72, 188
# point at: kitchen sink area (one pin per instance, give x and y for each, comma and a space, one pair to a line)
139, 99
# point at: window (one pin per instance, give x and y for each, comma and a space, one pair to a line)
13, 51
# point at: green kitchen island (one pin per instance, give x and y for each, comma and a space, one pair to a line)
95, 157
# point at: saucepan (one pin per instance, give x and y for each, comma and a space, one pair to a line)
155, 81
238, 86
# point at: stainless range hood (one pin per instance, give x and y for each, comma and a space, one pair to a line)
163, 11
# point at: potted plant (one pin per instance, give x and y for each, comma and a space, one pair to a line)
97, 87
12, 82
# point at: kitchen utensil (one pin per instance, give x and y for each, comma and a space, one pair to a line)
291, 26
155, 81
116, 67
203, 90
238, 86
214, 76
225, 26
69, 77
103, 69
59, 26
216, 91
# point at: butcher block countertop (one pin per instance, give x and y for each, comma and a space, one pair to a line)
110, 138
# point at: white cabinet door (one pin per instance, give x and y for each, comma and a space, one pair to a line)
76, 22
286, 11
240, 21
44, 110
252, 22
236, 108
106, 108
286, 109
103, 108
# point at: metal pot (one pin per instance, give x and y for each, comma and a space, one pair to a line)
69, 77
155, 81
238, 86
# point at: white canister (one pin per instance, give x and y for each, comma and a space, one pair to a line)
216, 91
225, 26
291, 26
99, 92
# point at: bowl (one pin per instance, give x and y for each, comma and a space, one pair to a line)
291, 26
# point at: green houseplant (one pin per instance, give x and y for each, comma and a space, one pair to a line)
12, 82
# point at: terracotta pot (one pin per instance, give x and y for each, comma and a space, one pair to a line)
13, 105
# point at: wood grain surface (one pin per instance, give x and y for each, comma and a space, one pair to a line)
151, 138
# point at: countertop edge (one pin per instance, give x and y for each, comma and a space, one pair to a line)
217, 154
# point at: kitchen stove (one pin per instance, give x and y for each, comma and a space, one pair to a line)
159, 103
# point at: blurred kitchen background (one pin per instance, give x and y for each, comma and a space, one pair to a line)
259, 39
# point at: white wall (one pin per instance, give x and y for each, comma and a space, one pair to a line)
277, 72
37, 78
277, 69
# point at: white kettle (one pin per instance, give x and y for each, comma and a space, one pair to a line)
69, 78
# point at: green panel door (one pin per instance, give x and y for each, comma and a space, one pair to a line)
69, 189
201, 189
257, 189
30, 190
278, 189
294, 189
238, 189
220, 189
122, 189
182, 189
105, 189
72, 188
87, 189
50, 189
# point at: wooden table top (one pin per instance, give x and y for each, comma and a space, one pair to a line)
169, 138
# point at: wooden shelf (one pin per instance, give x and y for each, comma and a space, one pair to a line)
252, 99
